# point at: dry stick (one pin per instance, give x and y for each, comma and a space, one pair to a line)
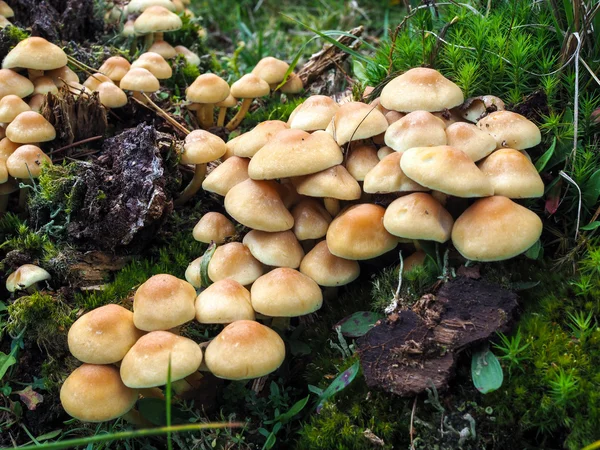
74, 144
164, 115
412, 429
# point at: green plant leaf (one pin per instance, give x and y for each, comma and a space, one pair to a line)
205, 280
540, 164
342, 381
358, 324
50, 435
359, 70
295, 409
591, 226
154, 410
5, 362
486, 371
591, 189
535, 251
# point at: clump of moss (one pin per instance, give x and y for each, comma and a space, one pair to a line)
184, 74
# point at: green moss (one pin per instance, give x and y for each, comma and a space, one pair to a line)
15, 34
16, 235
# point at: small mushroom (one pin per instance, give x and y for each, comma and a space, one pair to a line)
224, 302
246, 88
26, 277
213, 227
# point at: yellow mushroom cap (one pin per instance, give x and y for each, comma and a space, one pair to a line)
421, 89
360, 160
494, 229
155, 64
26, 161
139, 80
384, 151
25, 276
314, 113
512, 174
447, 170
10, 107
93, 81
222, 178
201, 147
416, 129
257, 204
354, 121
358, 233
247, 144
280, 249
387, 176
164, 49
208, 88
189, 56
193, 273
234, 261
511, 130
250, 86
285, 292
157, 19
327, 269
30, 127
335, 182
62, 75
111, 95
4, 22
163, 302
44, 85
229, 102
293, 85
7, 148
95, 393
311, 220
115, 68
418, 216
147, 363
473, 141
213, 227
13, 83
270, 69
35, 53
104, 335
6, 10
224, 302
138, 6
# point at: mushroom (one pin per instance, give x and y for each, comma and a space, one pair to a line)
234, 261
207, 90
103, 335
360, 160
224, 302
25, 163
280, 249
94, 80
384, 151
387, 176
475, 108
311, 220
155, 64
314, 113
190, 56
355, 121
293, 85
154, 21
229, 102
13, 83
243, 350
327, 269
6, 10
26, 277
247, 144
139, 6
10, 107
164, 49
4, 22
511, 130
246, 88
416, 129
467, 137
115, 68
213, 227
35, 54
272, 70
226, 175
139, 80
193, 273
7, 148
62, 75
30, 127
111, 96
37, 101
44, 85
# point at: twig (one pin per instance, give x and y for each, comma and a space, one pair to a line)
163, 114
412, 429
74, 144
570, 180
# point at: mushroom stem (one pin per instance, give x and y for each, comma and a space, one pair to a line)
33, 74
152, 393
148, 40
332, 205
202, 115
221, 118
194, 186
237, 119
160, 36
139, 96
209, 112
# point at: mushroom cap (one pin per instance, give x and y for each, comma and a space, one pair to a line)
93, 81
314, 113
4, 22
25, 276
387, 176
224, 302
129, 28
512, 174
201, 147
26, 161
10, 107
30, 127
213, 227
13, 83
189, 55
360, 160
511, 130
285, 292
293, 85
7, 148
250, 86
85, 392
230, 172
271, 70
416, 129
495, 228
193, 273
421, 89
354, 121
257, 204
358, 233
163, 302
164, 49
418, 216
62, 75
327, 269
208, 88
311, 219
139, 80
229, 102
44, 85
3, 173
417, 259
234, 261
104, 335
475, 108
244, 349
6, 10
384, 151
115, 68
467, 137
447, 170
35, 53
293, 153
155, 64
111, 96
157, 19
247, 144
138, 6
280, 249
147, 363
335, 182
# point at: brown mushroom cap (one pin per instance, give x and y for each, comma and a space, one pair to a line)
354, 121
139, 80
244, 349
104, 335
213, 227
327, 269
293, 85
226, 175
30, 127
387, 176
447, 170
224, 302
360, 160
115, 68
285, 292
25, 276
111, 95
234, 261
280, 249
155, 64
494, 229
208, 88
418, 216
35, 53
311, 219
467, 137
147, 363
247, 144
416, 129
13, 83
201, 147
257, 204
384, 151
313, 114
10, 107
157, 19
3, 173
421, 89
511, 130
334, 182
62, 75
271, 70
85, 392
163, 302
193, 273
26, 161
512, 174
250, 86
7, 148
293, 153
358, 233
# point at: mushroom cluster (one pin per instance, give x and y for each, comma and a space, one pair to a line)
126, 353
